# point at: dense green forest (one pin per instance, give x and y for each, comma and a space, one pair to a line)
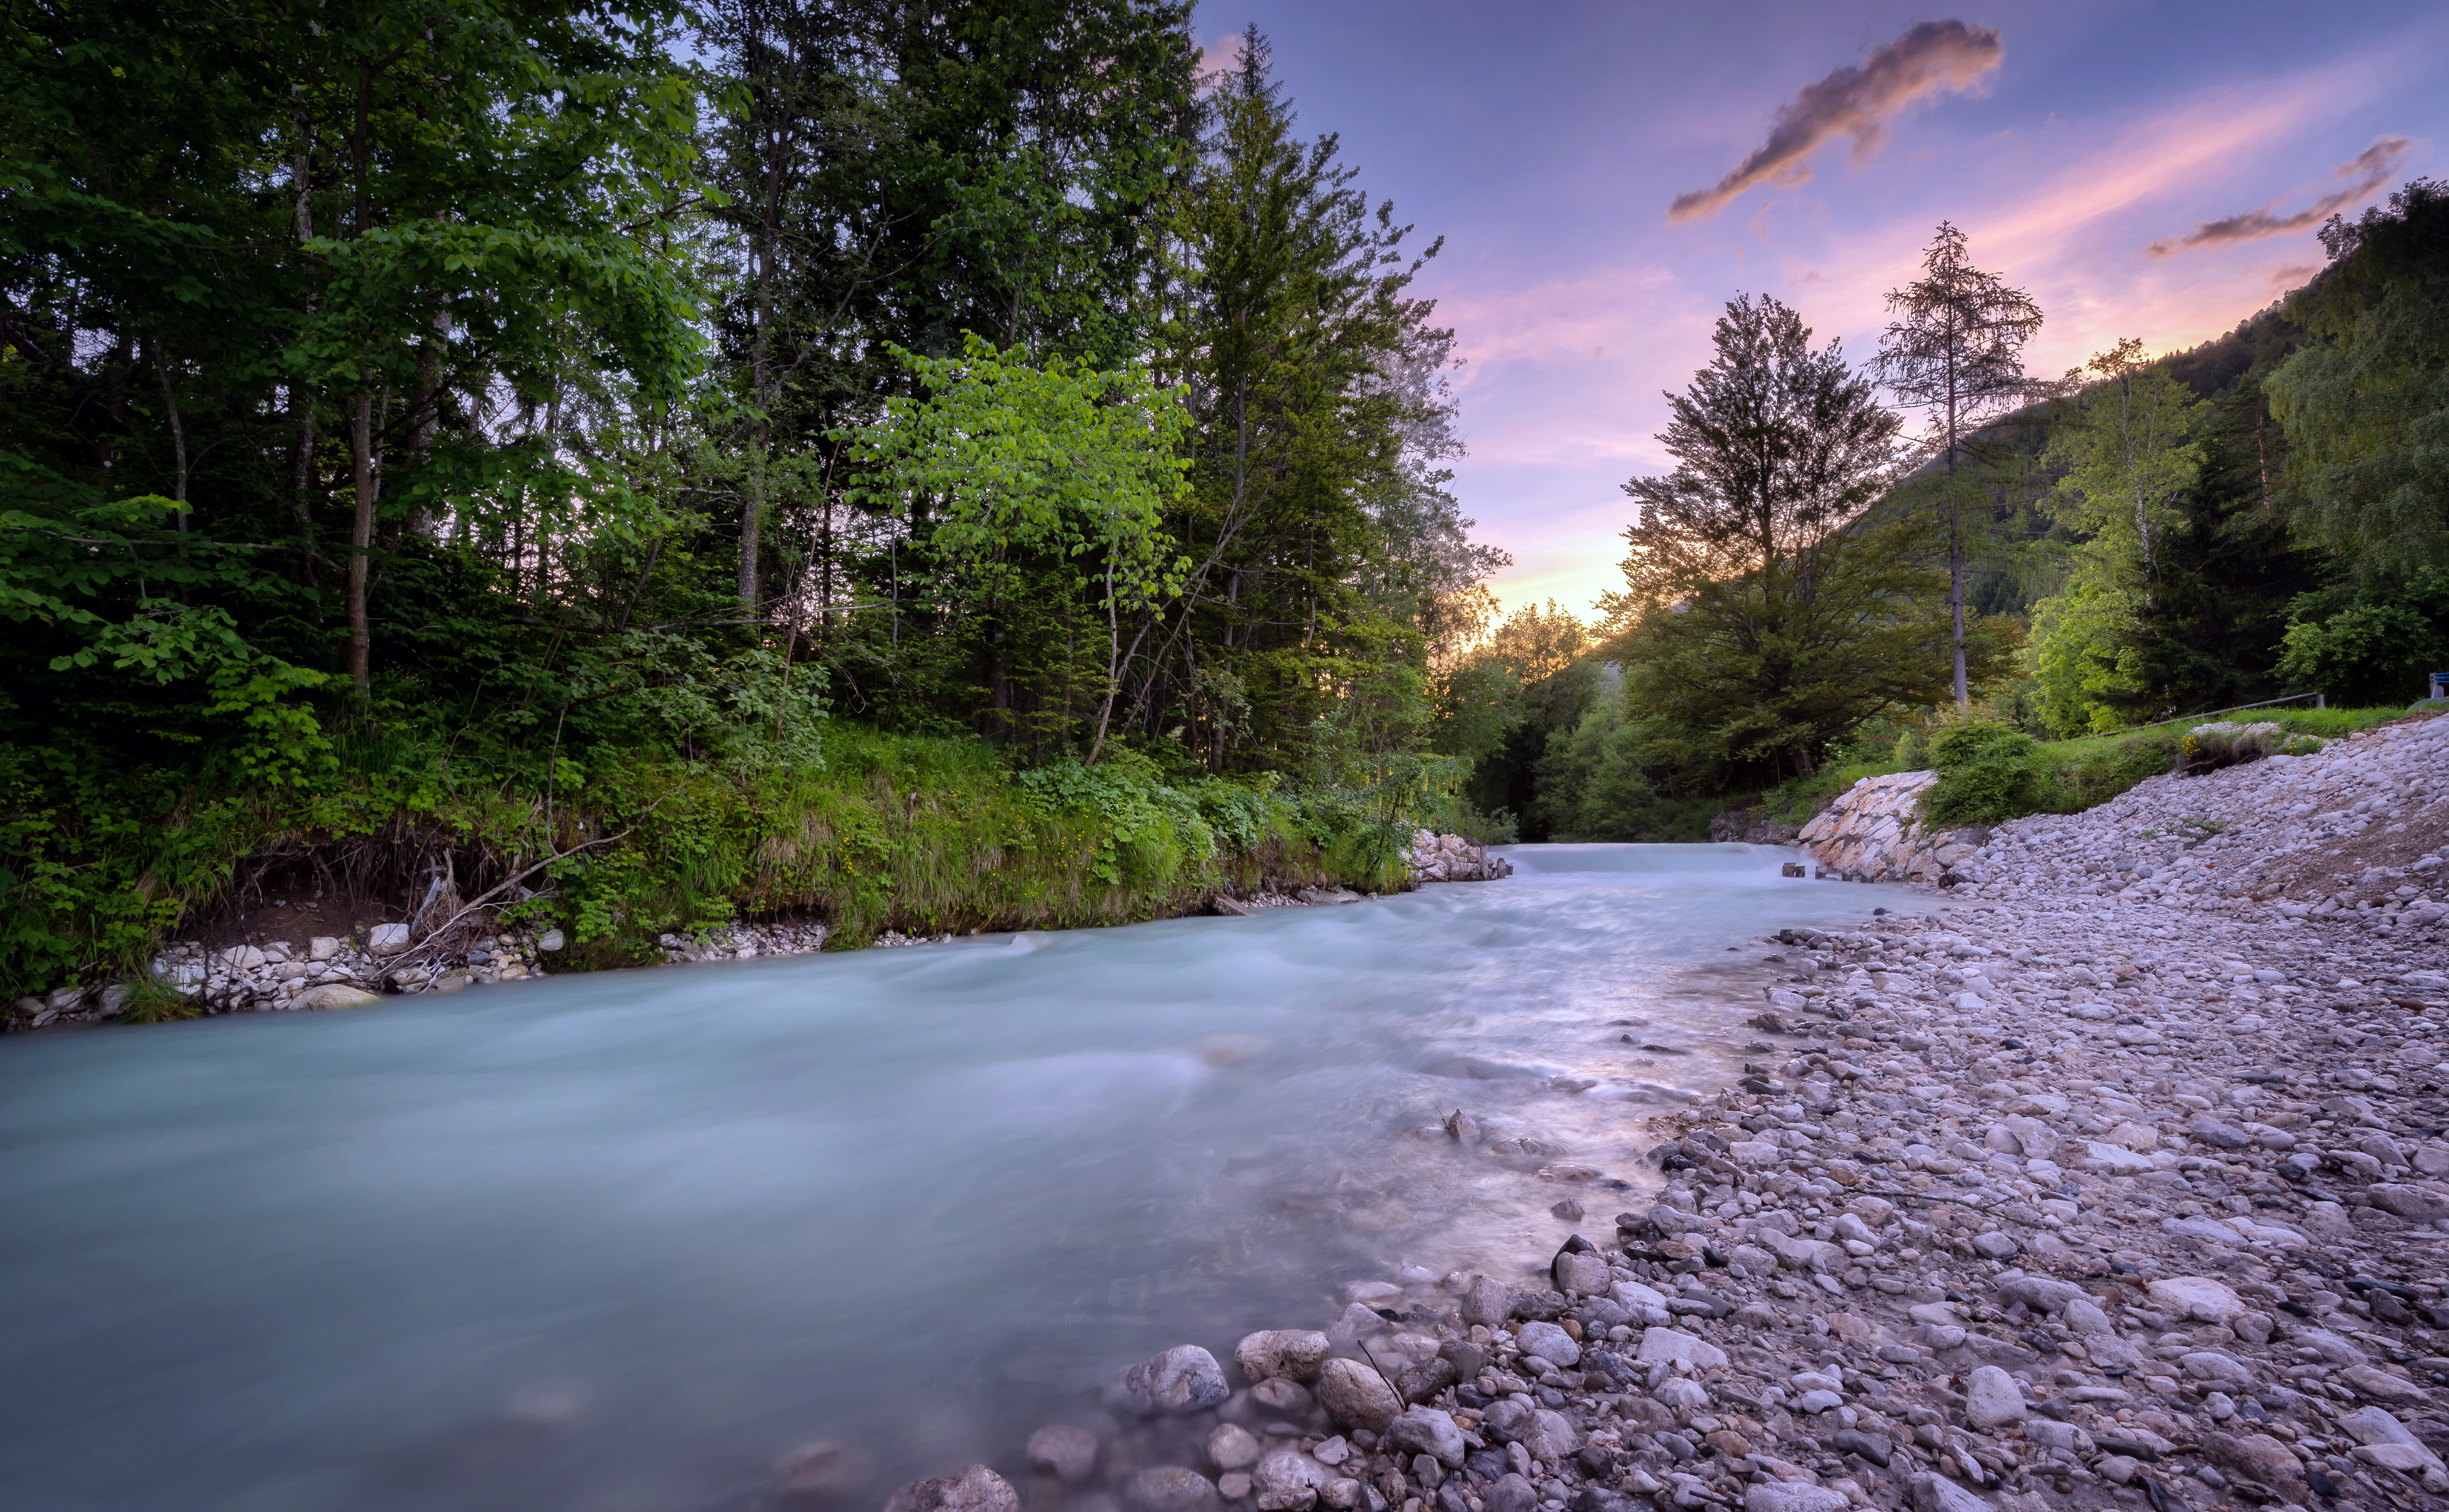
2263, 515
691, 452
967, 468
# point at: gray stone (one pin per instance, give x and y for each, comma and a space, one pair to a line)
1183, 1379
2260, 1458
1287, 1482
1356, 1396
1427, 1430
976, 1489
1993, 1398
391, 939
1292, 1353
1996, 1245
1486, 1302
550, 941
1549, 1343
1582, 1275
1936, 1493
1511, 1493
1166, 1488
1793, 1496
322, 947
1675, 1347
2373, 1381
2039, 1292
2409, 1201
1286, 1399
2196, 1297
1070, 1454
1875, 1447
334, 995
1549, 1436
2219, 1368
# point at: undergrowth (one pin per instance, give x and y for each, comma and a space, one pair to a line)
921, 834
1990, 771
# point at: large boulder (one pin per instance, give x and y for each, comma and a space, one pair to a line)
1430, 1431
1292, 1354
1183, 1379
1356, 1396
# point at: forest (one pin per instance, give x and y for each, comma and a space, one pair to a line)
958, 468
2144, 538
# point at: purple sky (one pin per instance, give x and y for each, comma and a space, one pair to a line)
1546, 141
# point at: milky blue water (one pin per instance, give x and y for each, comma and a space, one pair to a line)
616, 1241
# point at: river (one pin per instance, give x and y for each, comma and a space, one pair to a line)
614, 1242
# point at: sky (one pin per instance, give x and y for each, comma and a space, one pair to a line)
1607, 176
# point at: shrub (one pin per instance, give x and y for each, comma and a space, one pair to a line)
1988, 773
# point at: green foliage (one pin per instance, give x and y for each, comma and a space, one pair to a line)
1988, 773
1766, 613
1015, 458
2365, 401
2371, 645
2126, 444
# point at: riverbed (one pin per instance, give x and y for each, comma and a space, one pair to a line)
618, 1241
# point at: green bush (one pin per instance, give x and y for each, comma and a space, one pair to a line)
1988, 773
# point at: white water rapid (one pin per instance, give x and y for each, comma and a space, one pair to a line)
612, 1243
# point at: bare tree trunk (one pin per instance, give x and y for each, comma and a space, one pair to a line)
361, 538
178, 432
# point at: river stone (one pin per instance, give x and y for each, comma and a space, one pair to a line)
1511, 1493
1294, 1354
2198, 1298
2374, 1382
2219, 1368
1356, 1396
334, 995
1288, 1481
1549, 1436
1427, 1430
2377, 1430
1936, 1493
1286, 1399
2260, 1458
2039, 1292
1582, 1275
1183, 1379
391, 939
1232, 1447
976, 1489
1675, 1347
1991, 1398
1793, 1496
1486, 1302
2409, 1201
1068, 1453
1167, 1488
823, 1470
1549, 1343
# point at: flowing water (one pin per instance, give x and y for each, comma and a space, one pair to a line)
615, 1242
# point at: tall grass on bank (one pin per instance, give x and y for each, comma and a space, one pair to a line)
924, 835
1990, 773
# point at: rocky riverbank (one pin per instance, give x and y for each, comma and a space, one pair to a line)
266, 973
2116, 1179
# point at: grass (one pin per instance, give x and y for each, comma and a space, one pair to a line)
2048, 777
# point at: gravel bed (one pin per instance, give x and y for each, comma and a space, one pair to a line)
2116, 1178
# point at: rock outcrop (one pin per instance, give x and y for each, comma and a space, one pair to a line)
1875, 832
1452, 858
